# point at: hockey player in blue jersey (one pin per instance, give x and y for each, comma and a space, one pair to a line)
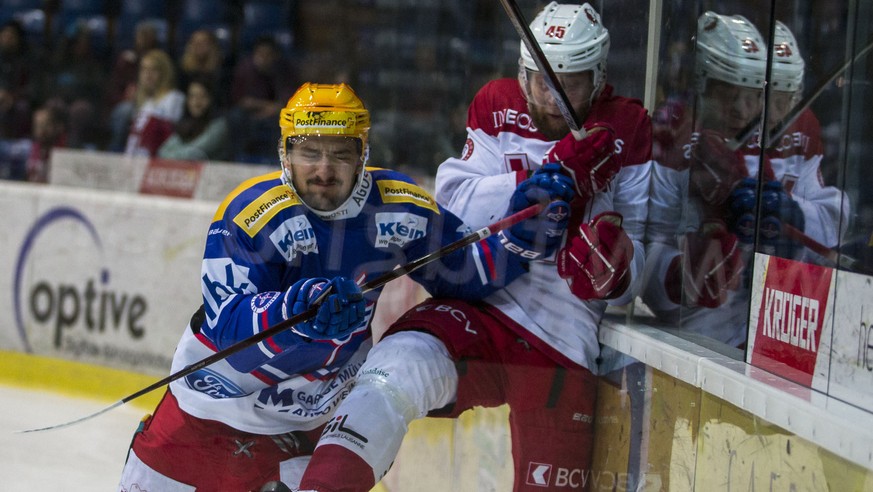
312, 232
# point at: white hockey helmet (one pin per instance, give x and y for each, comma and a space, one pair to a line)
730, 49
788, 65
573, 39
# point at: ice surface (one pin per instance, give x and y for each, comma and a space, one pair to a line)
87, 456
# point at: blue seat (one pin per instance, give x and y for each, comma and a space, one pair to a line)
199, 12
34, 24
265, 14
143, 9
126, 30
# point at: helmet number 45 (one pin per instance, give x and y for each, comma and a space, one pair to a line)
556, 31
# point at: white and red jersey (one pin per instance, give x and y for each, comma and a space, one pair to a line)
794, 159
154, 122
502, 148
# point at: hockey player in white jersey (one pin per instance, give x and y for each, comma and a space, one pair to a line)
702, 215
532, 345
323, 223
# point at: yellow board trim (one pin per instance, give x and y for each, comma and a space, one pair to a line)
76, 379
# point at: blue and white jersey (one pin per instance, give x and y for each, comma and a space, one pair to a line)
262, 240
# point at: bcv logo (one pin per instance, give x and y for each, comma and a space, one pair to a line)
293, 236
398, 228
212, 384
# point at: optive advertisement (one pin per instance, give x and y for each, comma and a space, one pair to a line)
99, 277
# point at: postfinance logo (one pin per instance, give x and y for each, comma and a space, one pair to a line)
394, 191
252, 218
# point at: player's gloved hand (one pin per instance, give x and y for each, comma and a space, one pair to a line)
596, 262
743, 201
338, 315
715, 169
540, 235
710, 265
591, 161
777, 210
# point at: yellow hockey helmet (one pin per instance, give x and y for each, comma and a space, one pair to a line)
325, 109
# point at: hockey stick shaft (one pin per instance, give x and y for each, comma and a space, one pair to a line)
376, 283
830, 254
549, 76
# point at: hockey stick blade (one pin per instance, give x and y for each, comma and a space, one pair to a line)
376, 283
551, 80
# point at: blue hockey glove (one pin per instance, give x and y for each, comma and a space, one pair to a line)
338, 315
540, 235
777, 208
743, 200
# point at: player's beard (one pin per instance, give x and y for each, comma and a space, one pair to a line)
552, 126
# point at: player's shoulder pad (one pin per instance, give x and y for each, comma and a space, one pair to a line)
396, 187
255, 201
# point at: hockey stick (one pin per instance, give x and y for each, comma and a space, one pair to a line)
551, 80
749, 130
830, 254
376, 283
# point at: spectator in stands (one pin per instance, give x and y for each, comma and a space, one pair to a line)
121, 90
158, 104
203, 58
49, 132
16, 64
14, 113
78, 77
258, 92
202, 133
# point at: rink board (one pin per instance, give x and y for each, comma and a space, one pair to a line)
676, 420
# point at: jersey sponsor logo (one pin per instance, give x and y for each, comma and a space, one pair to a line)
542, 475
293, 236
252, 218
539, 474
512, 117
262, 301
213, 384
394, 191
398, 228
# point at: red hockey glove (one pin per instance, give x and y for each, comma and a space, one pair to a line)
596, 262
715, 169
709, 267
591, 161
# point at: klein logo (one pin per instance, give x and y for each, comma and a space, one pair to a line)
539, 474
293, 236
398, 228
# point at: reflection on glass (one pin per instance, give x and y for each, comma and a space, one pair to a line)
701, 227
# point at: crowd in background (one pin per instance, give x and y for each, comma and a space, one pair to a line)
68, 86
